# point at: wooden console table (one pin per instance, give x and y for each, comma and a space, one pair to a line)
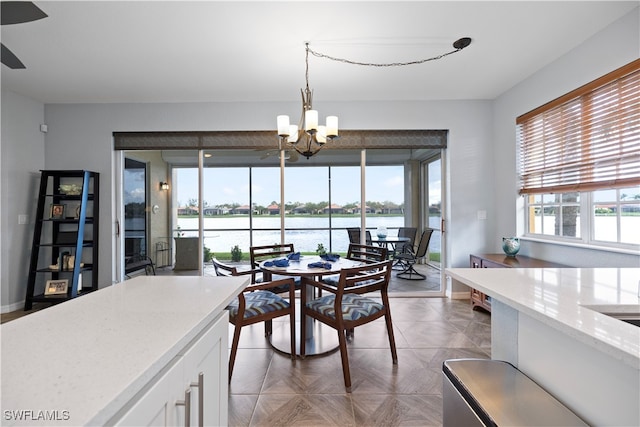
479, 299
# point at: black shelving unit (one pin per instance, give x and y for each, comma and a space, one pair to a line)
71, 233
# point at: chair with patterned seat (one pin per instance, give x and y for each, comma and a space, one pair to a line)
257, 303
350, 305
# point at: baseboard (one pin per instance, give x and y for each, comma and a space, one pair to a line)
11, 307
460, 295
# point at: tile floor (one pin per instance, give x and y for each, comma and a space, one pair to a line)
268, 390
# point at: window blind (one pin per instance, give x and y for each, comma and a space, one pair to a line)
586, 140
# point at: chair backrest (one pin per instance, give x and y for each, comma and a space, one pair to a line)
368, 253
223, 269
354, 235
260, 253
365, 278
424, 243
409, 232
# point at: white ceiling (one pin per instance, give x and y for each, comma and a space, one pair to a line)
181, 51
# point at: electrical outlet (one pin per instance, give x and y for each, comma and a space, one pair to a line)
23, 219
482, 214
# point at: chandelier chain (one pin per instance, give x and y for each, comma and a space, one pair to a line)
373, 64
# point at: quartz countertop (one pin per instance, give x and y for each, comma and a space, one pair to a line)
89, 356
569, 300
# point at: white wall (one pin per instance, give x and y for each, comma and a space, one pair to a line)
22, 158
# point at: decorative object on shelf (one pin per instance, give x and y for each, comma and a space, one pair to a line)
511, 245
70, 189
381, 232
308, 137
56, 287
56, 211
78, 211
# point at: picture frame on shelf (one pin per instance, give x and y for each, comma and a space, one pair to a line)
56, 211
56, 287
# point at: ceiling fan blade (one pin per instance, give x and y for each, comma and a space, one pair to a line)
18, 12
9, 59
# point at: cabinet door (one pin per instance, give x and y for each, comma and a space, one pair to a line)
206, 363
157, 406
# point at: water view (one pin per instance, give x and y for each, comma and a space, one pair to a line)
223, 233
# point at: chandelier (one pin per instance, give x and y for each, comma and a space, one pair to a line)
307, 138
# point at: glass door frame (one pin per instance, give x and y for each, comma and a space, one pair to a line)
424, 208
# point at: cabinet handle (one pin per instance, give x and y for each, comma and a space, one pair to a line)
187, 407
200, 385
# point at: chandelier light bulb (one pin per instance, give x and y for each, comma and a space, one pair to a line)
293, 134
332, 126
283, 126
311, 121
321, 135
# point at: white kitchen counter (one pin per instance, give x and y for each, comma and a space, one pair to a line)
89, 356
548, 323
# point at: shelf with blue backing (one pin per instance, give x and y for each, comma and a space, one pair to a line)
65, 238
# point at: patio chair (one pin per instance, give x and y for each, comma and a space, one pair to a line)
354, 236
410, 233
346, 307
257, 303
409, 259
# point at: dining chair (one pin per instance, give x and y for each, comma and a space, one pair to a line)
257, 303
358, 252
346, 307
354, 235
257, 254
409, 259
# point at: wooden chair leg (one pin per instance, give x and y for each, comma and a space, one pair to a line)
292, 326
345, 360
234, 349
303, 331
392, 340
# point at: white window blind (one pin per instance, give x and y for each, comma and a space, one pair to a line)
586, 140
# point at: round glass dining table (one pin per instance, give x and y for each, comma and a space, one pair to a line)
321, 339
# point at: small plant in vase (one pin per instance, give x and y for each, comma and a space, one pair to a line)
320, 250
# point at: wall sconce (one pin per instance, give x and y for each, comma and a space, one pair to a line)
164, 186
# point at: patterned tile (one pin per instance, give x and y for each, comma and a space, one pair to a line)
398, 410
269, 390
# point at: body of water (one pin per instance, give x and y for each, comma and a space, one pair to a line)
223, 233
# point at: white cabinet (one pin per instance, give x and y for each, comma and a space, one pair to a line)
196, 379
